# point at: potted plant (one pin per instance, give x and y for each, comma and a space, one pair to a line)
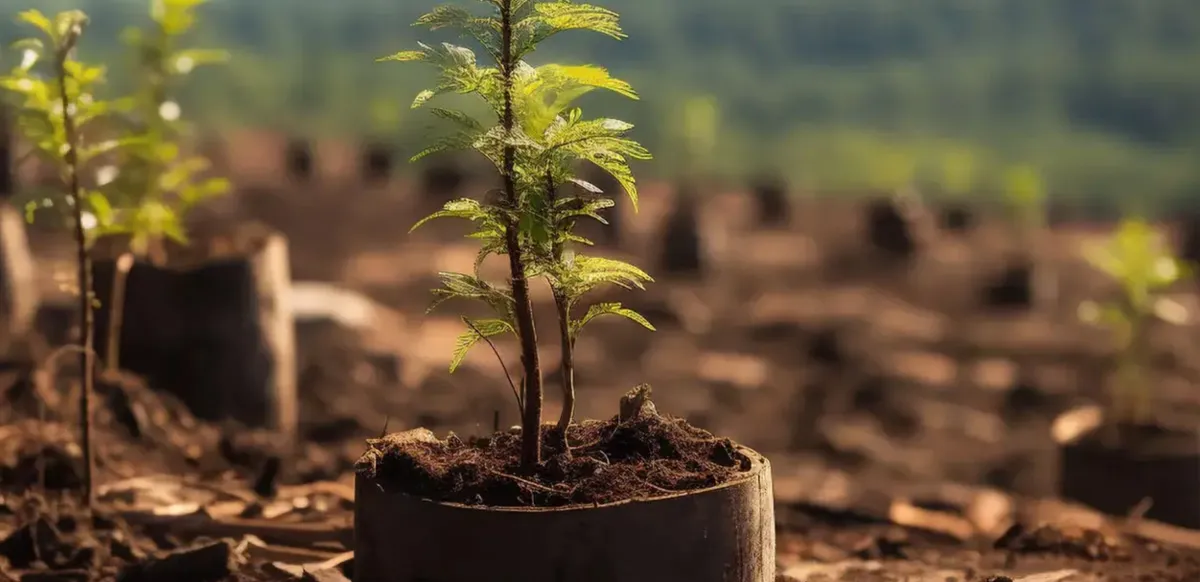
1130, 455
56, 109
1023, 282
200, 313
640, 496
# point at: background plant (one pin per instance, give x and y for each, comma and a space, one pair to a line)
1139, 260
153, 184
535, 136
959, 174
1025, 197
56, 106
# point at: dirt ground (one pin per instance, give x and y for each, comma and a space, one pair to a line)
862, 376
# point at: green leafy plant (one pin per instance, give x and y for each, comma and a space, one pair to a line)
958, 173
1025, 195
537, 138
56, 105
1139, 259
154, 184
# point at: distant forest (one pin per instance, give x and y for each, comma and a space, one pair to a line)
1103, 95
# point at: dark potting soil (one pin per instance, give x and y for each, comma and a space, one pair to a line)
643, 457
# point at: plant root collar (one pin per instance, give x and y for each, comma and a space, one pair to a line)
646, 456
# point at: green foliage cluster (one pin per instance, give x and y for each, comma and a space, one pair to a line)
1139, 259
537, 138
57, 105
155, 184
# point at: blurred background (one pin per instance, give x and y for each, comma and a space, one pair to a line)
802, 307
1103, 98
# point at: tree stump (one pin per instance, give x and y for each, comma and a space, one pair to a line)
442, 179
1189, 238
773, 206
682, 252
298, 160
956, 218
376, 162
18, 287
888, 230
212, 325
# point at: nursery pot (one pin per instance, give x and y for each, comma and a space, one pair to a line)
1116, 475
721, 534
212, 325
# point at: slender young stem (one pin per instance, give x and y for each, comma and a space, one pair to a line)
85, 285
566, 342
568, 367
531, 423
116, 311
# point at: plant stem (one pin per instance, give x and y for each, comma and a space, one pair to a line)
531, 423
85, 286
116, 311
568, 367
567, 343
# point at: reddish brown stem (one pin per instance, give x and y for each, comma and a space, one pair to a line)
531, 423
86, 355
566, 342
568, 367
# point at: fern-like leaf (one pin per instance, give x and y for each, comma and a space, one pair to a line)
550, 18
485, 31
464, 208
600, 309
477, 331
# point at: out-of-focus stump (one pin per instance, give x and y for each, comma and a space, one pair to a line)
442, 178
681, 251
1189, 238
18, 289
957, 218
771, 200
1020, 285
212, 326
888, 231
376, 159
298, 160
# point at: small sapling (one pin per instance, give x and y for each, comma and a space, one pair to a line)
536, 136
1025, 195
154, 184
56, 105
1140, 261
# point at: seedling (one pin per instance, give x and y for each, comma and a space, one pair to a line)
958, 173
534, 142
1025, 194
56, 107
1139, 259
156, 184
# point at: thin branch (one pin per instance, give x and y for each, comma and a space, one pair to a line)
503, 366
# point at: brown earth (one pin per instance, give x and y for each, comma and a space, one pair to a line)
799, 341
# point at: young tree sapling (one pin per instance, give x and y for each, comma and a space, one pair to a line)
536, 137
57, 103
154, 185
1140, 261
1025, 196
